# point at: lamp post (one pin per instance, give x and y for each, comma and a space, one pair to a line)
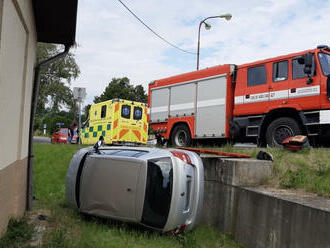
207, 27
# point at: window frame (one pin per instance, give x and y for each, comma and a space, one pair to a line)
318, 56
254, 67
313, 67
130, 110
134, 116
287, 71
103, 111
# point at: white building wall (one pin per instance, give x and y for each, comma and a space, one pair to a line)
17, 58
17, 61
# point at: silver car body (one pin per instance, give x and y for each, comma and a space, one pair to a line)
158, 188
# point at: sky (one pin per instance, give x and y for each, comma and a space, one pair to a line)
111, 43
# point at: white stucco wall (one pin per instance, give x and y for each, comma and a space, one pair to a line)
17, 59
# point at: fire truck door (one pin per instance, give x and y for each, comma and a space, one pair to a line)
256, 97
279, 81
300, 92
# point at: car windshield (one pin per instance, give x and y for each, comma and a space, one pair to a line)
325, 63
64, 131
158, 193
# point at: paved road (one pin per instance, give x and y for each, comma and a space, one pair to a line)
41, 139
245, 145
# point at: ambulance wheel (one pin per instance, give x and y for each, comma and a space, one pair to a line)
181, 136
280, 129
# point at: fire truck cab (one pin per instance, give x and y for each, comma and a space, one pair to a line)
264, 101
282, 97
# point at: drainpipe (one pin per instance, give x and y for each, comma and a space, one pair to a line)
29, 198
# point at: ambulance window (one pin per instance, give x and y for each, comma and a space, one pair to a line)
298, 69
137, 113
280, 71
256, 75
126, 111
103, 111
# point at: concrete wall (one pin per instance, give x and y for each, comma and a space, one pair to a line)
17, 58
261, 217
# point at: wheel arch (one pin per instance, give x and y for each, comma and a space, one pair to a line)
275, 114
177, 124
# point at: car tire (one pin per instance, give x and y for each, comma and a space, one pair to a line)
280, 129
181, 136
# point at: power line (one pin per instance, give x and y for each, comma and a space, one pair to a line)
159, 36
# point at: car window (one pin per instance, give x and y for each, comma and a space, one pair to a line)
126, 111
137, 113
64, 131
325, 63
256, 75
298, 69
158, 192
280, 71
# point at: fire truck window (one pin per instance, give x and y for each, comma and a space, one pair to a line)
280, 71
298, 69
325, 63
137, 113
126, 111
257, 75
103, 111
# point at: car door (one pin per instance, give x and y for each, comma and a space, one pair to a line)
279, 83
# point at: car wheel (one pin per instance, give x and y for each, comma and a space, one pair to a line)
181, 135
280, 129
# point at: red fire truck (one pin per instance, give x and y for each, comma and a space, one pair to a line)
264, 101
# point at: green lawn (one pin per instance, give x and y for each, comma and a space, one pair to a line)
68, 228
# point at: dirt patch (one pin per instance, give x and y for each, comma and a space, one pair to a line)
39, 219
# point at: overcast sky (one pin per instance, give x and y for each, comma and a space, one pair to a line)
112, 43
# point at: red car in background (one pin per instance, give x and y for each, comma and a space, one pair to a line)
62, 136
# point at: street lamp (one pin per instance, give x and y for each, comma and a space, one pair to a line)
207, 27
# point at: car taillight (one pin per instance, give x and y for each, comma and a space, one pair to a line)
177, 230
182, 155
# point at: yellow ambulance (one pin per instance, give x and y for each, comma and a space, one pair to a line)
118, 121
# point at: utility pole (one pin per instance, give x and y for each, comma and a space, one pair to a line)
79, 94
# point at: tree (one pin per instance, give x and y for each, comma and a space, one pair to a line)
54, 91
121, 88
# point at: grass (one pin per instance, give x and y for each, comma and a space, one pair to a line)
18, 233
68, 228
307, 169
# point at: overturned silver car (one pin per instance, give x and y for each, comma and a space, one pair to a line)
159, 188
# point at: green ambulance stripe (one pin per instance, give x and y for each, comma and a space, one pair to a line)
96, 131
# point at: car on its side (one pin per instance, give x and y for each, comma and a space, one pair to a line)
161, 189
62, 136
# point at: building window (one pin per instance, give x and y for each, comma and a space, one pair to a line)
103, 111
298, 69
257, 75
137, 113
126, 111
280, 71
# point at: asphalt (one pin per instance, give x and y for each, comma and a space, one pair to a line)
41, 139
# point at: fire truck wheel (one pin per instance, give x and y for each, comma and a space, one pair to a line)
281, 128
181, 136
